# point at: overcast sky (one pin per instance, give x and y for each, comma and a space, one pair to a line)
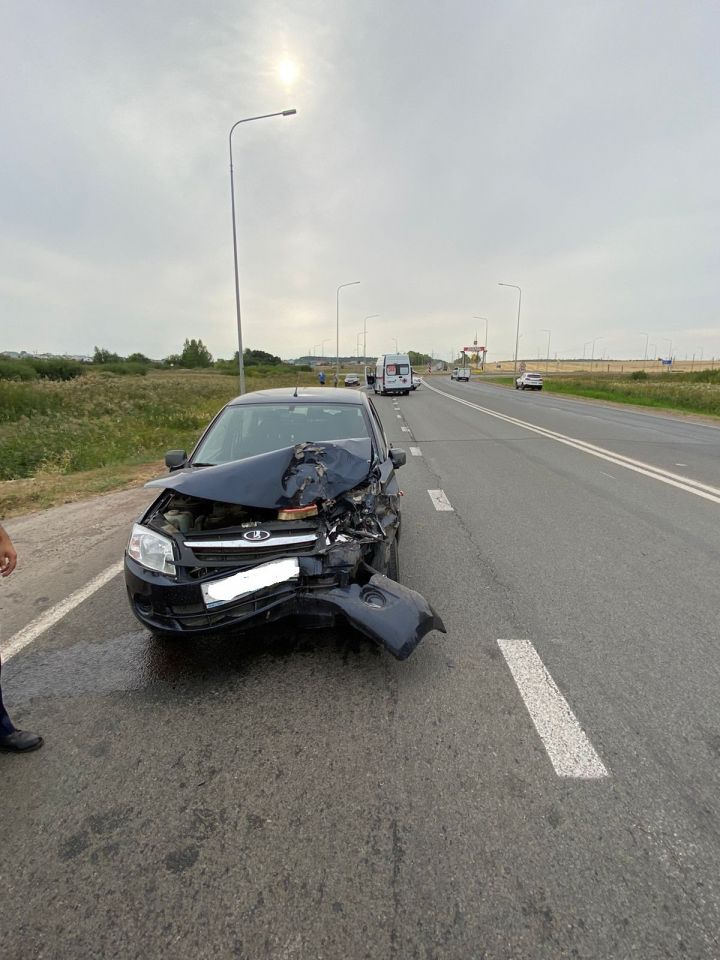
568, 147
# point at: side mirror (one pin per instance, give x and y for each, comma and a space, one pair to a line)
398, 458
175, 459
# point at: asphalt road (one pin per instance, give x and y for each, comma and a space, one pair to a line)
541, 782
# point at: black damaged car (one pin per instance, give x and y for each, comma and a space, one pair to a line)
287, 506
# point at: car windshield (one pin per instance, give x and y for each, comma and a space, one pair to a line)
247, 430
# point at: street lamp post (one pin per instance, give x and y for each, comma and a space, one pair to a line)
337, 327
547, 359
647, 337
396, 346
264, 116
668, 340
517, 331
475, 317
371, 317
592, 356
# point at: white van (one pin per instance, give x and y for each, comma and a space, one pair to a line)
393, 374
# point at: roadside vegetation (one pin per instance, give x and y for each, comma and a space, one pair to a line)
63, 439
690, 392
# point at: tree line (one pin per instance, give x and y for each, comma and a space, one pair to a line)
194, 355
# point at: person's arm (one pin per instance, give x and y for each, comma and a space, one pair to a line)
8, 554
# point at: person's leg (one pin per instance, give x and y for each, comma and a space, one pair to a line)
12, 739
6, 724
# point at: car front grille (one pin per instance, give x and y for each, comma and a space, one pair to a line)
244, 552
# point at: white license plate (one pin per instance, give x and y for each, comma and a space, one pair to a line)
249, 581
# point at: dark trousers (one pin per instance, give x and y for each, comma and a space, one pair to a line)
6, 724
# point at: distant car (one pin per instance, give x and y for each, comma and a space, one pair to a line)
460, 373
529, 381
416, 381
352, 380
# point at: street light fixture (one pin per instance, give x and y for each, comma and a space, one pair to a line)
517, 331
371, 317
337, 327
475, 317
264, 116
547, 360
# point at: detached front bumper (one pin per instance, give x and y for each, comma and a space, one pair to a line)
385, 611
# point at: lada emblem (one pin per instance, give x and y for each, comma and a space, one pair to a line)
256, 535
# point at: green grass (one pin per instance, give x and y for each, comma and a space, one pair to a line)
690, 392
99, 420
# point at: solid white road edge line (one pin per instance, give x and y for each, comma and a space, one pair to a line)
440, 501
46, 620
570, 751
416, 451
637, 466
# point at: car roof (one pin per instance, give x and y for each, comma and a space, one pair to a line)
305, 394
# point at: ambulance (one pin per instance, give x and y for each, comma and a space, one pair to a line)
393, 374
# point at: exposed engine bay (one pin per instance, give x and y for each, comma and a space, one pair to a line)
308, 529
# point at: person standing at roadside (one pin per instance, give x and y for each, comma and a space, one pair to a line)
11, 739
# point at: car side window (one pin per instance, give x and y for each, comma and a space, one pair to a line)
379, 428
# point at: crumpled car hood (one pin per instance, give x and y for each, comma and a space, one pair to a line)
290, 477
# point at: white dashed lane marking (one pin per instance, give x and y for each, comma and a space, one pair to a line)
405, 429
48, 619
440, 501
570, 751
416, 451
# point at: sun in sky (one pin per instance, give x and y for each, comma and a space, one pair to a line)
287, 70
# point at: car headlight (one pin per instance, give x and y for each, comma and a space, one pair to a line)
151, 549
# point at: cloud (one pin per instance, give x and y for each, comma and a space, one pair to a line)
567, 147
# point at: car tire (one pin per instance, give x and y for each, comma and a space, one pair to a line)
517, 386
522, 386
393, 564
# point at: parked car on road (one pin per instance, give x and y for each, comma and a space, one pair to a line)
529, 381
288, 506
352, 380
